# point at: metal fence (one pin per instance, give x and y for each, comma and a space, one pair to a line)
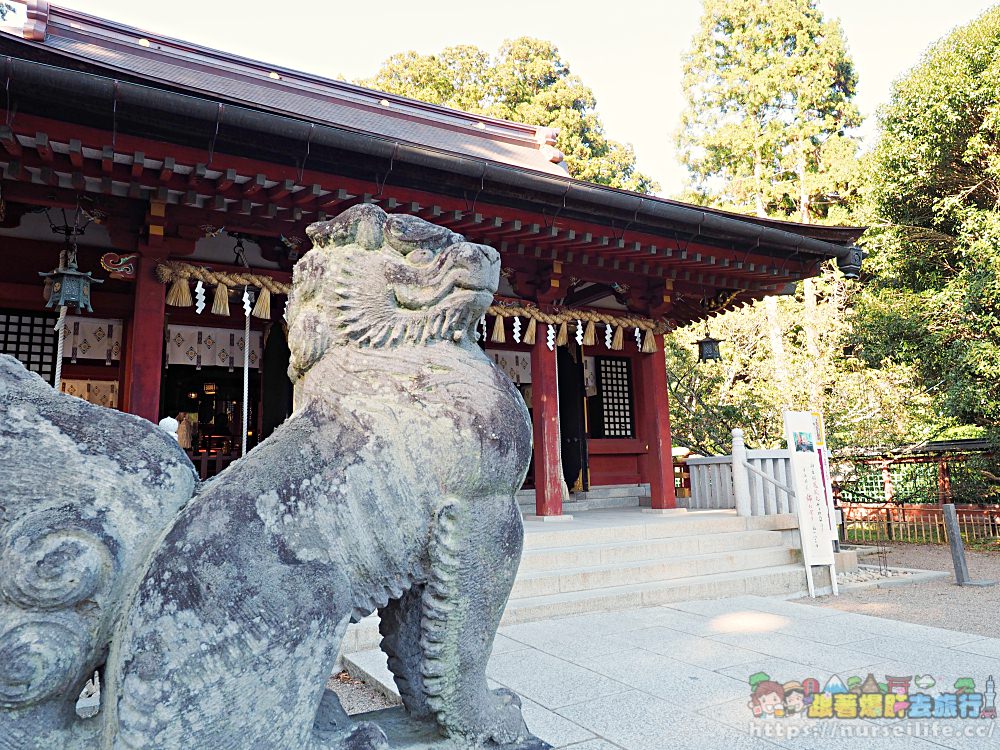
866, 523
965, 472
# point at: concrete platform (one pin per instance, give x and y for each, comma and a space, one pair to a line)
677, 676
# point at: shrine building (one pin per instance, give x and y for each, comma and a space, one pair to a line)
183, 178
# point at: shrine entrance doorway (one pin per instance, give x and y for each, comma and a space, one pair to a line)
573, 418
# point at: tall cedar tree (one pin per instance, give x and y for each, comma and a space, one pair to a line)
526, 81
769, 86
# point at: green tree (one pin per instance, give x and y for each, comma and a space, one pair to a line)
800, 355
526, 81
769, 88
933, 299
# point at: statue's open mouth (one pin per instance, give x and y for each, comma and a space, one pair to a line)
474, 287
411, 298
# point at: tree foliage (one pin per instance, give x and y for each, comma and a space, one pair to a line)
526, 81
770, 92
792, 352
934, 296
769, 88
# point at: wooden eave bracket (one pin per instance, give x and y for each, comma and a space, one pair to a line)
36, 25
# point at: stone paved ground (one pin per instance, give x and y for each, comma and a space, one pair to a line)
677, 676
939, 603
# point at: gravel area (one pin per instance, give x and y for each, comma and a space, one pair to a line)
357, 697
868, 575
940, 603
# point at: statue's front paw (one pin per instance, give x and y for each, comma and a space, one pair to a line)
508, 696
502, 722
365, 736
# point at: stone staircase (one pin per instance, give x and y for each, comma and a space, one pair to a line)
623, 559
690, 556
610, 496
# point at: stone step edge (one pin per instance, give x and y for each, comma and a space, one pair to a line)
675, 524
537, 574
566, 534
664, 540
369, 637
638, 588
361, 666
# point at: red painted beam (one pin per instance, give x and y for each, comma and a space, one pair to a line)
197, 174
42, 147
656, 465
333, 200
254, 185
307, 194
62, 132
167, 170
138, 164
107, 159
9, 142
226, 180
545, 425
279, 191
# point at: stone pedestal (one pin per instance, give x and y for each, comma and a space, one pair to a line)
846, 561
406, 733
548, 519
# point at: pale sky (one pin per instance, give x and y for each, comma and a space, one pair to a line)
627, 51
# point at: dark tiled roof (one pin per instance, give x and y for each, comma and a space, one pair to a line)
140, 55
108, 48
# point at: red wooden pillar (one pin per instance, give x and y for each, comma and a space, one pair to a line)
545, 418
144, 345
656, 465
124, 366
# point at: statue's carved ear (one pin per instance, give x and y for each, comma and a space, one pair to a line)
405, 233
359, 225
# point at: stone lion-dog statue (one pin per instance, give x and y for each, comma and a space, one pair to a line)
215, 619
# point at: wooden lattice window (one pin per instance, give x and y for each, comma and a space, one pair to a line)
614, 391
29, 337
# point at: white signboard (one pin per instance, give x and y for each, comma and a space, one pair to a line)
813, 497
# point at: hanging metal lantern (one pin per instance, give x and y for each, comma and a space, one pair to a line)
708, 349
850, 262
69, 287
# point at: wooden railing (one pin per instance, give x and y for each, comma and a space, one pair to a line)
755, 483
770, 483
711, 483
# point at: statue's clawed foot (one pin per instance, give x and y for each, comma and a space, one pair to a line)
334, 729
499, 720
366, 735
